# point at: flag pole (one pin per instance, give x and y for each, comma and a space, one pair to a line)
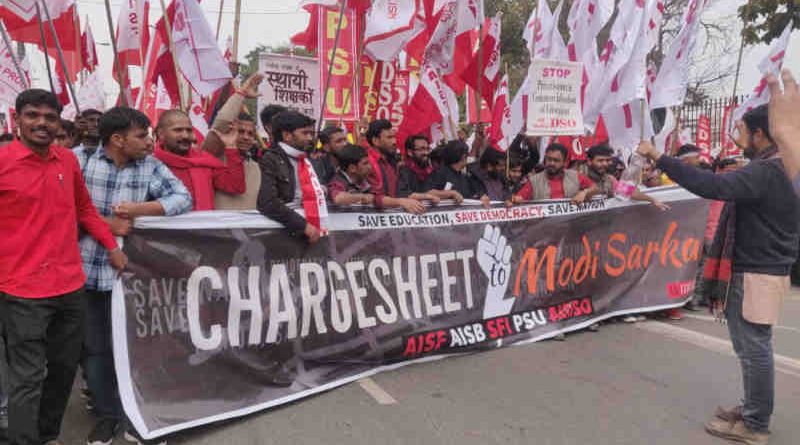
145, 70
61, 58
219, 17
479, 95
121, 74
14, 58
44, 48
330, 64
78, 41
236, 22
178, 77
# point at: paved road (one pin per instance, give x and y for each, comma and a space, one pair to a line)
651, 383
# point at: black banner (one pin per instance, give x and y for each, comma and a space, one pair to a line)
217, 308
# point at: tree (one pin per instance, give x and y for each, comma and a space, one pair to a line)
765, 20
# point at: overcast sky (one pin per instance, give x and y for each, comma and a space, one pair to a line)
271, 22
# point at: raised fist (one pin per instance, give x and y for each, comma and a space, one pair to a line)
494, 259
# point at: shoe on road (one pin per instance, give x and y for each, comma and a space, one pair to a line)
104, 432
132, 436
729, 414
736, 431
560, 337
630, 319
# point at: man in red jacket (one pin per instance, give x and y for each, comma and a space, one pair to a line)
201, 172
43, 200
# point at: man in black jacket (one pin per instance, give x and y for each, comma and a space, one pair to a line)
449, 175
760, 223
293, 133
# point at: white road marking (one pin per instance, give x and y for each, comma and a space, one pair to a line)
708, 318
784, 364
379, 394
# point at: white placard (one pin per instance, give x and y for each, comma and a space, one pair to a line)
554, 107
290, 81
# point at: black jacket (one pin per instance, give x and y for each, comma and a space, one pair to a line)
278, 189
767, 211
467, 185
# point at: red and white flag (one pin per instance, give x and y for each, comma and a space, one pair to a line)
133, 32
88, 49
199, 57
454, 19
90, 95
703, 137
501, 133
10, 82
430, 105
624, 125
625, 44
669, 89
772, 63
390, 25
490, 65
542, 35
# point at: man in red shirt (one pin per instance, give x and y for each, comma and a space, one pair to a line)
556, 182
201, 172
43, 200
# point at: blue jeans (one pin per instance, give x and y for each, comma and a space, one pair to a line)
753, 345
102, 378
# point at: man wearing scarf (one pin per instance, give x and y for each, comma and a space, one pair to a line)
288, 180
416, 170
201, 172
748, 265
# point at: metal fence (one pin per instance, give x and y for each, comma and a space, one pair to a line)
688, 116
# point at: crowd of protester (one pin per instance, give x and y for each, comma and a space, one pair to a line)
104, 170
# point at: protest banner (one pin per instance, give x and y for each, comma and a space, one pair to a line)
703, 137
387, 96
213, 303
338, 57
290, 81
554, 107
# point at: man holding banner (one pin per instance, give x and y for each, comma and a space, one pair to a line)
748, 265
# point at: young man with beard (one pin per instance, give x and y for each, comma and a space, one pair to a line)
556, 181
86, 126
383, 154
43, 202
201, 172
332, 139
124, 183
601, 158
281, 168
490, 170
750, 260
416, 170
451, 175
350, 185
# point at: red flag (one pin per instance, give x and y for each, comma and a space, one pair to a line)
489, 68
500, 134
133, 32
88, 49
430, 106
703, 137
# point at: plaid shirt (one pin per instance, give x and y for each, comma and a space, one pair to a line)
144, 180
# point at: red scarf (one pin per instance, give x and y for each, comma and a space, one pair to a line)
196, 171
421, 173
311, 190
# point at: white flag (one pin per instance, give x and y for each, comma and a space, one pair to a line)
390, 25
199, 57
455, 17
547, 42
670, 86
10, 83
91, 95
624, 125
772, 63
132, 31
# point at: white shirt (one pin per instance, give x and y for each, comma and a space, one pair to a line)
293, 154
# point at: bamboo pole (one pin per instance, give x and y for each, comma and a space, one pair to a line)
14, 58
122, 75
168, 27
479, 91
44, 46
219, 17
236, 22
330, 65
61, 58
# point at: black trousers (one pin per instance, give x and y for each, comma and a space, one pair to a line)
43, 338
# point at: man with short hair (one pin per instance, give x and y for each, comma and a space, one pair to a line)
689, 154
281, 166
749, 263
125, 183
450, 176
234, 129
382, 140
266, 115
201, 172
556, 181
333, 139
66, 134
87, 133
43, 201
601, 159
350, 185
416, 170
490, 170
